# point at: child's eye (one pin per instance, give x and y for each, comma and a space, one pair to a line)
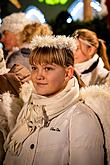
33, 67
48, 68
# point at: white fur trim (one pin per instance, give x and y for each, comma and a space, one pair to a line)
98, 99
15, 22
94, 91
11, 108
26, 91
58, 42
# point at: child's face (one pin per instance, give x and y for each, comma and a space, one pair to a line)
48, 79
82, 53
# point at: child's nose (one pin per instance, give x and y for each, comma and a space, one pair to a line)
40, 75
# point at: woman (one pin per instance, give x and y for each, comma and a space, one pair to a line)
54, 127
91, 61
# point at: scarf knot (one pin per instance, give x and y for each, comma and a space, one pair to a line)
35, 119
38, 117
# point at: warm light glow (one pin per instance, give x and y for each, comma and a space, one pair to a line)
96, 6
34, 13
16, 3
69, 20
76, 9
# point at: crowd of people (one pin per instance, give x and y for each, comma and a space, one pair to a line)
54, 95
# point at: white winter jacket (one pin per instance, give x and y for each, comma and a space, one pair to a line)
74, 137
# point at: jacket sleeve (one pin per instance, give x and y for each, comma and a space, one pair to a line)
21, 72
9, 82
86, 138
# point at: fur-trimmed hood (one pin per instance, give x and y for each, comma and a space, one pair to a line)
95, 91
26, 91
98, 99
10, 107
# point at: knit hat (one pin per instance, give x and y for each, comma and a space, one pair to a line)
15, 22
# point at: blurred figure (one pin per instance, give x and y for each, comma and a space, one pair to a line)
91, 61
25, 36
10, 104
9, 82
10, 28
12, 79
63, 23
34, 29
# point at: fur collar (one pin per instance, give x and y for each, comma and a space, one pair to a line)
10, 107
26, 91
94, 91
98, 99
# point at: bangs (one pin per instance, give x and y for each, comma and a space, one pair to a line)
47, 55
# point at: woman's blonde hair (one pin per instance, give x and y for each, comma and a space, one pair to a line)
92, 39
31, 30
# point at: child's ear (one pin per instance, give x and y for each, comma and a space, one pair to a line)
69, 72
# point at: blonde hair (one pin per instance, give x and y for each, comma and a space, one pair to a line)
102, 52
49, 55
91, 38
31, 30
63, 57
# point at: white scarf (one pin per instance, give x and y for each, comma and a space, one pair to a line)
87, 78
38, 113
81, 67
